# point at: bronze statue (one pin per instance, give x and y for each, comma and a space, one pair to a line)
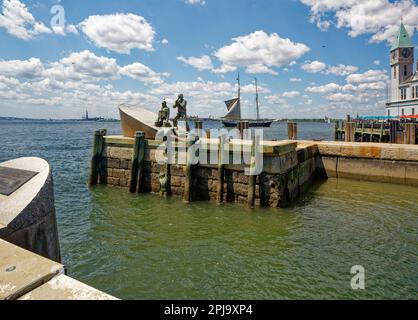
163, 116
181, 106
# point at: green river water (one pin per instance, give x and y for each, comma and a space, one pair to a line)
148, 247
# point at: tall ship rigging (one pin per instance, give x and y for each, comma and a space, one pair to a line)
233, 106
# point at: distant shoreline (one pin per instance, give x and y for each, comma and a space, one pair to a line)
66, 120
190, 119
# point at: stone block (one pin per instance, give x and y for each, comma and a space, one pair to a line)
177, 181
125, 164
118, 152
113, 181
371, 170
113, 163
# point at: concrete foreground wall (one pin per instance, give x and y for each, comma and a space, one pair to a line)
27, 276
288, 172
27, 216
392, 163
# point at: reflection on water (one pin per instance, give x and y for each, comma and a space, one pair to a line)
148, 247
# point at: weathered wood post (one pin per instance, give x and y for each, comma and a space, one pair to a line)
292, 130
98, 144
409, 133
372, 132
198, 124
188, 173
252, 178
393, 130
221, 171
382, 127
350, 131
243, 125
137, 162
362, 132
336, 131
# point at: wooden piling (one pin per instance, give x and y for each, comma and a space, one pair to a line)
409, 133
98, 144
198, 124
221, 172
382, 127
362, 132
350, 131
137, 162
372, 132
243, 125
292, 130
188, 173
252, 178
393, 130
336, 131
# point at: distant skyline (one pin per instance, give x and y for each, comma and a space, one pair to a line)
312, 58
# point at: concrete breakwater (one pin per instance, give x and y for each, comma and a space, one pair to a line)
289, 169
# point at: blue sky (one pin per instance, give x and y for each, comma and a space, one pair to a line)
312, 58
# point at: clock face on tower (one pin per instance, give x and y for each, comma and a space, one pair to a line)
406, 53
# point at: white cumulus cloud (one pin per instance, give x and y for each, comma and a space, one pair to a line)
29, 69
318, 66
119, 32
200, 63
18, 21
380, 18
259, 52
313, 66
195, 2
369, 76
141, 72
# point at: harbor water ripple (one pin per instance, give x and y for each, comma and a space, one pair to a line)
148, 247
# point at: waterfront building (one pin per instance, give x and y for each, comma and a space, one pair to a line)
403, 89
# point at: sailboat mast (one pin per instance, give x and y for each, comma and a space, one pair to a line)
256, 99
239, 87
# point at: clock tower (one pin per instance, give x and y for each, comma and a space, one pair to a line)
401, 61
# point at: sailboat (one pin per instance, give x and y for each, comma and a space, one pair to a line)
234, 111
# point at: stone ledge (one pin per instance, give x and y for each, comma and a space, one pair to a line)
21, 271
65, 288
382, 151
28, 276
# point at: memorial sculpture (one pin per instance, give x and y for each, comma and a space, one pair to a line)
181, 106
163, 116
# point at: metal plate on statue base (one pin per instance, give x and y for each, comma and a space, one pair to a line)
12, 179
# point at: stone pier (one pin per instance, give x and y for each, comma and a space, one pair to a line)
287, 172
289, 169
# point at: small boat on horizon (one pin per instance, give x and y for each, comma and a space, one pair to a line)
233, 116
